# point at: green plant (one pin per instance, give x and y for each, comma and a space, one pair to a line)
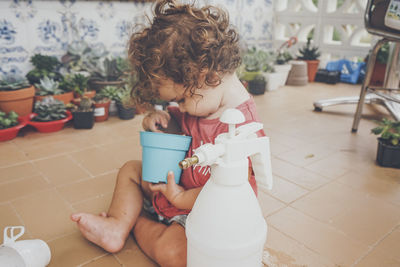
389, 131
67, 84
111, 92
124, 96
383, 53
256, 60
283, 57
80, 83
309, 52
13, 83
8, 120
85, 105
109, 69
49, 109
44, 66
48, 86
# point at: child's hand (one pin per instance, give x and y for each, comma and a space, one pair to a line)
156, 120
171, 190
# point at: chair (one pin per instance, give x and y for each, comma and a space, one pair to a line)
387, 95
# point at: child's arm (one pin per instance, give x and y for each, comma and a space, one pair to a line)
176, 194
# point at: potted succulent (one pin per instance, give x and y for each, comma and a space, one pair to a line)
282, 66
109, 71
111, 92
50, 87
378, 74
16, 94
126, 111
257, 85
310, 54
45, 66
83, 114
80, 82
388, 154
10, 124
101, 107
49, 115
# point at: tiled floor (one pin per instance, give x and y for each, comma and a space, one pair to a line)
331, 204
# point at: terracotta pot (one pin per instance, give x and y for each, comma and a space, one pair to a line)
378, 74
20, 101
65, 98
101, 111
89, 94
312, 68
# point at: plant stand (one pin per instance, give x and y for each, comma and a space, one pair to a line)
20, 101
388, 156
125, 113
83, 119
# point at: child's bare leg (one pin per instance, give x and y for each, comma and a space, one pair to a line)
111, 231
164, 244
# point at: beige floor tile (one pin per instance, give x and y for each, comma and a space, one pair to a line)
90, 188
19, 171
95, 205
285, 251
377, 259
22, 187
60, 170
132, 256
369, 222
286, 191
319, 237
302, 156
73, 250
8, 218
96, 160
268, 204
105, 261
45, 215
298, 175
11, 154
391, 244
125, 150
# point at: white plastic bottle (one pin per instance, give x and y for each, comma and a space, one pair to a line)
226, 226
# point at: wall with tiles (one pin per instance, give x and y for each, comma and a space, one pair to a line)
47, 27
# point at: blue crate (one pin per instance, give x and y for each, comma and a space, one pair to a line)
350, 71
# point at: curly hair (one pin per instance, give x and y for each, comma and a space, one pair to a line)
182, 43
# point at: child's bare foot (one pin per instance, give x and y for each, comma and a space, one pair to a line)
102, 230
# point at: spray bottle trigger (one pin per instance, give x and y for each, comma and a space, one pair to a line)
246, 130
9, 240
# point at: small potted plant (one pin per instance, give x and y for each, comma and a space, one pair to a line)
10, 124
44, 66
388, 154
111, 92
257, 85
126, 111
282, 66
101, 107
310, 54
108, 71
50, 87
80, 82
83, 114
49, 115
16, 94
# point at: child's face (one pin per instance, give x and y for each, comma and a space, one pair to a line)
203, 103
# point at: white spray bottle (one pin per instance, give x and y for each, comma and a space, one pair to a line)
226, 226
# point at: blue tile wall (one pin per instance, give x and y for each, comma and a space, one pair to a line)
47, 27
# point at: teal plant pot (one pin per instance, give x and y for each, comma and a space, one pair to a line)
162, 153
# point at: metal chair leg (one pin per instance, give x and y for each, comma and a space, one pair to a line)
367, 80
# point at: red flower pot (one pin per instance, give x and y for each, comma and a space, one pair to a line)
101, 111
10, 133
49, 126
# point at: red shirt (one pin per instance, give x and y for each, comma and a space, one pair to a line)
202, 131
